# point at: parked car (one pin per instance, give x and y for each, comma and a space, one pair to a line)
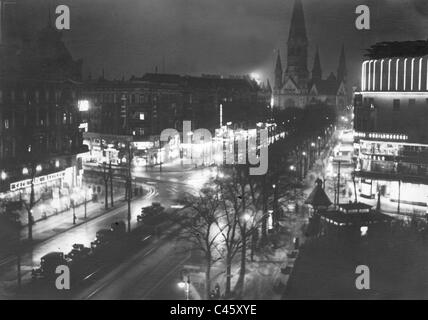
48, 265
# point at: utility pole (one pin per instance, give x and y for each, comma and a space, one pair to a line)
160, 155
18, 253
105, 177
129, 186
399, 196
110, 171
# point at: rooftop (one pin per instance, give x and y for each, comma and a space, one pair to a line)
398, 49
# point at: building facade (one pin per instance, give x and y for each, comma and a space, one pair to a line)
391, 135
295, 86
39, 118
143, 107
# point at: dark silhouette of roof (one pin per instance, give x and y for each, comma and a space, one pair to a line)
316, 70
329, 86
203, 82
318, 197
398, 49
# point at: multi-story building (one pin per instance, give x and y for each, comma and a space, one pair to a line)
142, 107
39, 118
391, 116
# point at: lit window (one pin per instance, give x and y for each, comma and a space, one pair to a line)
142, 117
83, 105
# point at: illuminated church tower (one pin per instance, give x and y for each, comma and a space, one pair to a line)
297, 88
297, 54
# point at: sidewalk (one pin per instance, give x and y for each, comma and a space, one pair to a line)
45, 229
268, 275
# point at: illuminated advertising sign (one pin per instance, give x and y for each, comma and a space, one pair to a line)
37, 181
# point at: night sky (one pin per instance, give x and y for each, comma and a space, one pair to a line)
131, 37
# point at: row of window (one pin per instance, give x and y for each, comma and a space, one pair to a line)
43, 120
51, 144
396, 103
35, 96
135, 98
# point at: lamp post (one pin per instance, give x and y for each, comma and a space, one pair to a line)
275, 205
303, 165
185, 284
160, 155
312, 152
106, 178
18, 251
129, 186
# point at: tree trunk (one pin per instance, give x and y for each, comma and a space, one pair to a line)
264, 219
208, 278
228, 275
242, 270
29, 212
106, 193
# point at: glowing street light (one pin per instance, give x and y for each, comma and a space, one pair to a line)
3, 175
247, 217
292, 168
183, 284
25, 170
39, 168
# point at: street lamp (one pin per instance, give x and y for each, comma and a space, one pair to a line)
183, 284
246, 217
3, 175
25, 171
39, 168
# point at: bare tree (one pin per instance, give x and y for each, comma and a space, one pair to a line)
241, 219
30, 202
200, 222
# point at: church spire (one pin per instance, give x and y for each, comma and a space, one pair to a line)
297, 27
297, 55
317, 71
341, 71
278, 72
268, 86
